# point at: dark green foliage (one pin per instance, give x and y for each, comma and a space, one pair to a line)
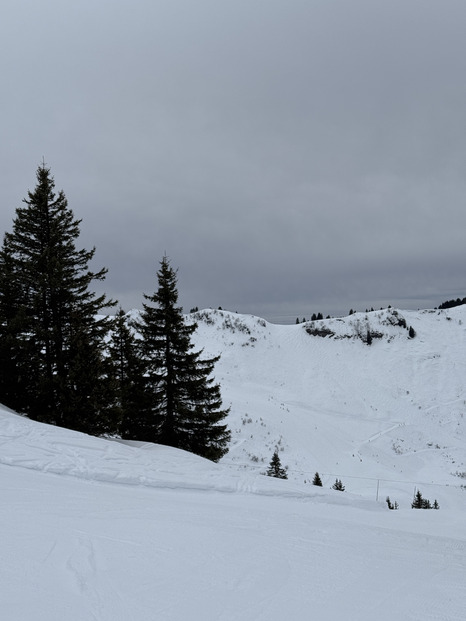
338, 485
412, 332
127, 373
275, 467
183, 405
418, 502
423, 503
14, 386
391, 505
452, 303
369, 337
319, 331
317, 480
88, 392
49, 329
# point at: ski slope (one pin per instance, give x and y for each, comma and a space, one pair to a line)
99, 529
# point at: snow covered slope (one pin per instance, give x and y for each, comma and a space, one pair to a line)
99, 529
394, 410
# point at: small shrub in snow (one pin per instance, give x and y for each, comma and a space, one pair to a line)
338, 485
235, 325
391, 505
204, 316
317, 480
322, 331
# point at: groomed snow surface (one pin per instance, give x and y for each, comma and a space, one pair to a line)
96, 529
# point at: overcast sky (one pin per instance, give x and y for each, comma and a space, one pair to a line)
289, 156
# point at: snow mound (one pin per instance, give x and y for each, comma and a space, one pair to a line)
44, 448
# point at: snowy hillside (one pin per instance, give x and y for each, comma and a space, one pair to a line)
393, 410
106, 530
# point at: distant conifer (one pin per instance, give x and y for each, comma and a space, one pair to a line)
421, 503
275, 468
391, 505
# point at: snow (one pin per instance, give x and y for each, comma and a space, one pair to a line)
100, 529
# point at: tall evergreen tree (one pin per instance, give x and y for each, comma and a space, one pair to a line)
52, 333
185, 408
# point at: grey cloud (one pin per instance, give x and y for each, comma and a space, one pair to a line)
286, 156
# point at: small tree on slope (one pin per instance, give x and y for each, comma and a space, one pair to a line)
184, 405
423, 503
317, 480
275, 467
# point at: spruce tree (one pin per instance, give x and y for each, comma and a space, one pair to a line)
184, 405
338, 485
317, 480
13, 357
48, 316
391, 505
419, 502
275, 467
127, 373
